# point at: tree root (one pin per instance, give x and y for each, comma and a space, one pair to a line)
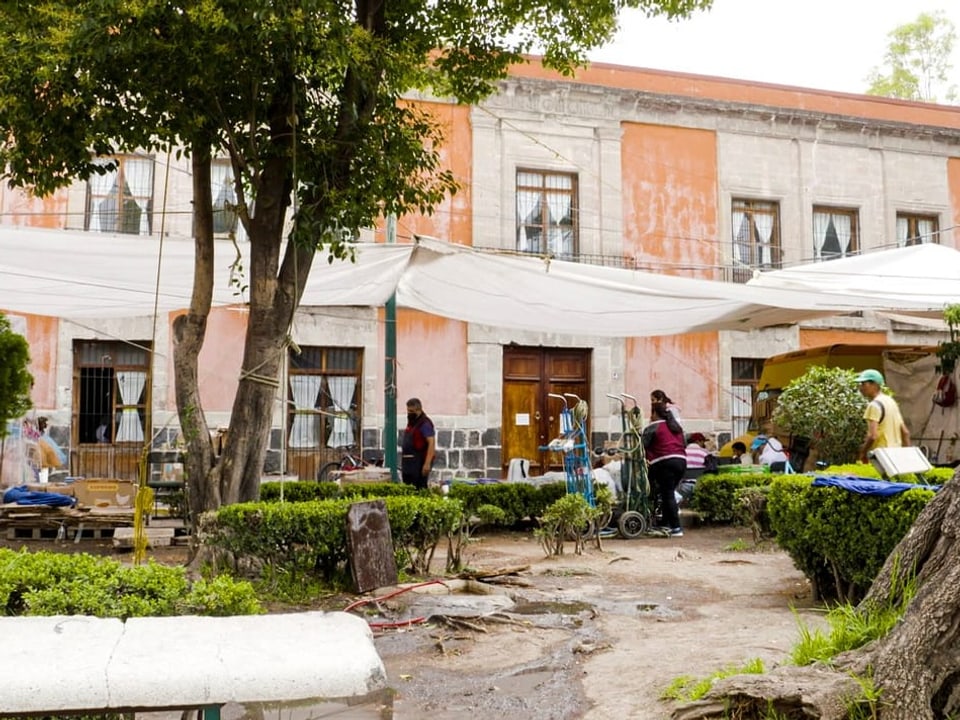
795, 693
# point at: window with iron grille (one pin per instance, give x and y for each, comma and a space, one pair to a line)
113, 381
756, 237
121, 199
325, 398
745, 375
913, 229
835, 232
547, 213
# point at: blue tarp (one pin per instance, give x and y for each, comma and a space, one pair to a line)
868, 486
20, 495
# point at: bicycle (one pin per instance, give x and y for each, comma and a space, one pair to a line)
350, 462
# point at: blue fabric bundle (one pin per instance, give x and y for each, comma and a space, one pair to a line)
868, 486
20, 495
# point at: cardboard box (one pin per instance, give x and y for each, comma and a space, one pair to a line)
104, 492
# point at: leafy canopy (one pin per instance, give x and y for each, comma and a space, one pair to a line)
315, 84
824, 405
15, 380
917, 63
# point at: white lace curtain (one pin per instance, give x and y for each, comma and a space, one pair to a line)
559, 237
108, 205
842, 228
528, 204
224, 197
130, 384
100, 186
305, 389
741, 238
764, 225
341, 394
138, 173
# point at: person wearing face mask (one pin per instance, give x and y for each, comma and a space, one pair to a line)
418, 447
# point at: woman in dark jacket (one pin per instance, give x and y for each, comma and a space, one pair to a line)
666, 454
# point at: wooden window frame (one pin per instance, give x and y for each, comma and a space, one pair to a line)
544, 190
325, 368
854, 216
914, 236
121, 162
742, 272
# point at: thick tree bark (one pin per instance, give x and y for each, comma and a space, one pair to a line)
916, 667
188, 335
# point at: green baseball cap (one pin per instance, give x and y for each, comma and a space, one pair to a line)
873, 376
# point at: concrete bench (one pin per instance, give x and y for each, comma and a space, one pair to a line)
75, 663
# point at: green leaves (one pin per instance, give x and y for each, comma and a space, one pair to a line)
58, 584
917, 62
15, 380
825, 406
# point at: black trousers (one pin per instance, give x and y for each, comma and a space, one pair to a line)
411, 472
665, 475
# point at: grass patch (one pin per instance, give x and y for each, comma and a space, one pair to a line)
688, 689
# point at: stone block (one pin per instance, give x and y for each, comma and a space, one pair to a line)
474, 459
491, 436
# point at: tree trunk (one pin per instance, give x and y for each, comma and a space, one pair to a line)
916, 667
188, 335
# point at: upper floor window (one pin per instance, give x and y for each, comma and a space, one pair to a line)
915, 229
546, 213
835, 233
224, 197
121, 200
756, 237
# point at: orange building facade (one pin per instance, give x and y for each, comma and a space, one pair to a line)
678, 174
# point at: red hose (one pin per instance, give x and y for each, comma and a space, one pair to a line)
364, 601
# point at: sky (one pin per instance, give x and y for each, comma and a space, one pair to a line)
823, 44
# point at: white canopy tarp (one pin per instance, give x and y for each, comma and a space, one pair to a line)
93, 275
904, 279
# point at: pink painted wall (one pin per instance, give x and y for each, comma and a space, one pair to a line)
451, 219
685, 367
219, 362
41, 334
670, 223
18, 207
670, 199
432, 362
952, 238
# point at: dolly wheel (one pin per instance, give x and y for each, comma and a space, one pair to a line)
632, 524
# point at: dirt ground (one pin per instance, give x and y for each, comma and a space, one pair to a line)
600, 635
595, 636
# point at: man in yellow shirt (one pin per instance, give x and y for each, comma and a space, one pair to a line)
885, 426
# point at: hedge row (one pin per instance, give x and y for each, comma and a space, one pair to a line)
837, 538
308, 539
43, 583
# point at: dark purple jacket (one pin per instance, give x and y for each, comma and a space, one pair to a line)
661, 442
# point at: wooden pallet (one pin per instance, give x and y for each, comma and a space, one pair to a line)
33, 532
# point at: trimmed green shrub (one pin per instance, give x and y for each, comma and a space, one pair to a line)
43, 583
837, 538
518, 501
299, 491
308, 539
716, 495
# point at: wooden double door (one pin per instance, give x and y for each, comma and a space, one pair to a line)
531, 418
